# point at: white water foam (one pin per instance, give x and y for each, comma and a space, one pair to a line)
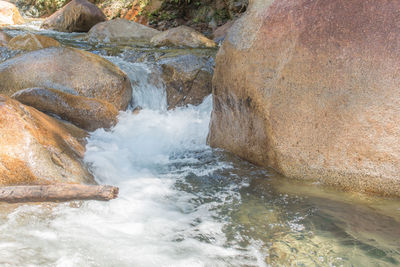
148, 88
152, 223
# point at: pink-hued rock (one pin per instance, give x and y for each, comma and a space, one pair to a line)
312, 89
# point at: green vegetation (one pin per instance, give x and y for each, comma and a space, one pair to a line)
203, 15
40, 8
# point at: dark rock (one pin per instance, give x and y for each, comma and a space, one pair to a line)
187, 79
76, 16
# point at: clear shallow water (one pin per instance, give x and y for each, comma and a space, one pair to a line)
183, 204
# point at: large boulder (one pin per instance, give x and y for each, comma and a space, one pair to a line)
68, 70
312, 89
86, 113
76, 16
30, 42
182, 36
187, 79
4, 38
76, 85
9, 14
121, 30
38, 149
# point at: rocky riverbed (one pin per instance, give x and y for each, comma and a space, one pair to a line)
131, 106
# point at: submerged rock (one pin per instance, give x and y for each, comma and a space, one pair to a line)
68, 70
9, 14
182, 36
187, 79
137, 110
120, 30
312, 90
38, 149
87, 113
4, 38
76, 16
30, 42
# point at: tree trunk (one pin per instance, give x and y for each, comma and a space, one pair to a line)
57, 193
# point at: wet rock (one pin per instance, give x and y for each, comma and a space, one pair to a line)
4, 38
9, 14
68, 70
182, 36
220, 33
187, 79
122, 31
38, 149
76, 16
6, 53
86, 113
137, 110
30, 42
156, 54
313, 91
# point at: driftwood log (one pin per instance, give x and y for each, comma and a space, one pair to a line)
57, 193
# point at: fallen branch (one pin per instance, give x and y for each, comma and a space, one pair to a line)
57, 193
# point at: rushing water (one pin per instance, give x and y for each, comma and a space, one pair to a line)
184, 204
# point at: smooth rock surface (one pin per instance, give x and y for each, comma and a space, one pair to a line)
120, 30
76, 16
38, 149
86, 113
68, 70
9, 14
182, 36
30, 42
312, 89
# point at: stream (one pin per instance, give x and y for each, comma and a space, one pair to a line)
182, 203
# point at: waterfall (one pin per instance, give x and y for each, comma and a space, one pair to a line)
159, 219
